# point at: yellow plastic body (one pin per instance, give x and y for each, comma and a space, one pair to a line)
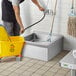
3, 34
11, 48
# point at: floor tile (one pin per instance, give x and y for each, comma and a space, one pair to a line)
50, 64
32, 69
41, 62
14, 74
59, 74
27, 73
37, 66
34, 61
40, 71
61, 71
53, 69
68, 74
29, 64
45, 68
1, 75
19, 71
36, 74
49, 74
5, 72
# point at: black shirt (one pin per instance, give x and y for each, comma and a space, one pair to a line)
8, 14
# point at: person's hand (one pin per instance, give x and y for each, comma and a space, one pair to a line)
22, 30
41, 9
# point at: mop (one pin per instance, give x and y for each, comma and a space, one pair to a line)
72, 21
53, 19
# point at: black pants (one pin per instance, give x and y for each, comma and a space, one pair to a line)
12, 28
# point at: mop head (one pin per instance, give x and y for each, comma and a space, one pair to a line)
72, 26
49, 37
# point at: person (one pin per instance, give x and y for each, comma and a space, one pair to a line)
11, 16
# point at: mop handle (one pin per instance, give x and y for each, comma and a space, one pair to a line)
72, 4
53, 17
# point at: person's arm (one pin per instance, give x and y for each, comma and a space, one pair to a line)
18, 18
38, 5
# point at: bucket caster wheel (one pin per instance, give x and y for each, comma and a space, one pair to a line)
19, 58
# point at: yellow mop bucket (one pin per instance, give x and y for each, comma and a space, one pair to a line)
10, 45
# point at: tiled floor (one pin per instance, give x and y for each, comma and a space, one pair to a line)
33, 67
